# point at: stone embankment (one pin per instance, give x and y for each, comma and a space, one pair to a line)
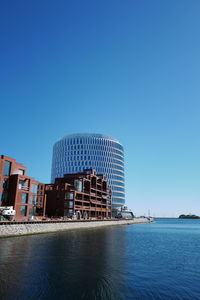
24, 228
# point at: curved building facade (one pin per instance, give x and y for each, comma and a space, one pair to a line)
76, 152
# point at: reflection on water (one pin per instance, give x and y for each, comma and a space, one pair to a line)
146, 261
68, 265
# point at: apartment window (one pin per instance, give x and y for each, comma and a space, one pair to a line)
34, 188
24, 198
78, 184
69, 195
21, 172
71, 204
21, 184
5, 183
32, 211
23, 210
7, 167
4, 196
33, 199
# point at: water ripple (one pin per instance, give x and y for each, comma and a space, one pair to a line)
159, 261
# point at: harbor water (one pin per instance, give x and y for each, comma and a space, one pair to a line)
159, 260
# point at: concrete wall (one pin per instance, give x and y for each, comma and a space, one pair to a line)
28, 228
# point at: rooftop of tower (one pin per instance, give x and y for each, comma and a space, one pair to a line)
95, 135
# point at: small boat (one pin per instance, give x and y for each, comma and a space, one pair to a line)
124, 213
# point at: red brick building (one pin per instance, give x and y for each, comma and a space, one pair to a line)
85, 194
22, 192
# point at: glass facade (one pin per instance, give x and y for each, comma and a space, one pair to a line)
76, 152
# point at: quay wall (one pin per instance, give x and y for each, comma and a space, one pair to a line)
24, 228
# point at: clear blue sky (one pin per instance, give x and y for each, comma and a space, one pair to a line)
129, 69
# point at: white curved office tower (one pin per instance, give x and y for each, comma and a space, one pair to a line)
76, 152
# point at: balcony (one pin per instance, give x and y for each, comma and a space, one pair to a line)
49, 188
23, 187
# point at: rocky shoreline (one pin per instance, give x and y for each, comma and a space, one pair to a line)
26, 228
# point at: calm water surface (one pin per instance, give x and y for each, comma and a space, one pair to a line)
160, 260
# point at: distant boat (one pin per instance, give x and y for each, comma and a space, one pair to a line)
151, 219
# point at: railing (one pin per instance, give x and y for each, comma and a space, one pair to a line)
49, 188
82, 207
24, 188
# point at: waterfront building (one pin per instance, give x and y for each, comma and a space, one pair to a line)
76, 152
24, 193
83, 194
